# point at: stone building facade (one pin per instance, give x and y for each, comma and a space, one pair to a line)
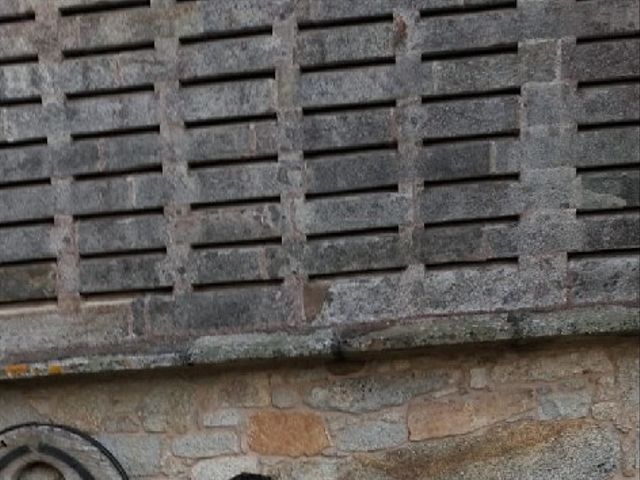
319, 239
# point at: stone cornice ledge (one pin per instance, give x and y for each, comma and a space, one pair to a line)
338, 342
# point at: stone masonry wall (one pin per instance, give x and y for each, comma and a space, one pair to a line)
559, 411
176, 172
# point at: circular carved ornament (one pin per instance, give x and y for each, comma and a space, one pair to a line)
55, 452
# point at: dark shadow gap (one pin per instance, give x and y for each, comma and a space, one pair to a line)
261, 242
268, 74
214, 122
266, 30
116, 254
364, 232
87, 217
108, 50
234, 203
508, 177
490, 262
119, 132
490, 51
213, 286
102, 7
235, 162
305, 26
481, 137
119, 173
346, 275
347, 65
351, 192
468, 9
475, 222
337, 151
348, 107
109, 92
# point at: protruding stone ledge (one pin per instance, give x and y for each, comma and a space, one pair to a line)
410, 334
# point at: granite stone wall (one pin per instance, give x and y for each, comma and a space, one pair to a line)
176, 171
559, 411
319, 239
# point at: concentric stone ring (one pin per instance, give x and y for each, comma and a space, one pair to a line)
55, 452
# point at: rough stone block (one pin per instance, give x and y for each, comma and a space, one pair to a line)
124, 273
112, 113
291, 434
28, 282
168, 407
219, 185
352, 172
429, 418
539, 60
26, 243
203, 445
358, 128
81, 75
544, 232
459, 160
610, 232
446, 119
25, 163
556, 366
604, 279
226, 100
220, 16
340, 45
354, 213
468, 243
350, 86
558, 185
476, 200
101, 328
468, 31
128, 26
365, 433
232, 224
231, 56
121, 234
21, 82
547, 104
239, 309
118, 194
563, 405
28, 121
608, 147
18, 40
228, 142
606, 60
608, 103
27, 203
326, 10
109, 154
473, 74
237, 264
353, 254
540, 148
612, 189
372, 393
141, 453
602, 18
228, 417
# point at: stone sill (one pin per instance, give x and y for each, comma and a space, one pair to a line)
520, 326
